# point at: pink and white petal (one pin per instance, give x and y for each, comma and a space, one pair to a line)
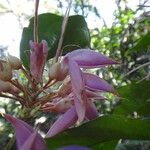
78, 89
80, 108
23, 130
76, 77
87, 58
94, 82
91, 111
63, 122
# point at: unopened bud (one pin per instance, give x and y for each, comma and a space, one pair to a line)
14, 90
63, 105
5, 71
58, 72
14, 62
4, 86
65, 89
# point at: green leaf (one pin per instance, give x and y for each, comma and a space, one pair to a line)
143, 44
102, 129
110, 145
135, 97
77, 33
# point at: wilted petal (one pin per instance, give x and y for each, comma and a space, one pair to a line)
63, 122
78, 89
74, 147
94, 82
91, 111
23, 132
39, 52
87, 58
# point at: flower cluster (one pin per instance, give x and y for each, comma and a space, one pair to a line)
74, 99
7, 83
76, 96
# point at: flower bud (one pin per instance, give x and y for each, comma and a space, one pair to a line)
38, 57
58, 72
14, 89
4, 86
65, 89
14, 62
5, 71
60, 106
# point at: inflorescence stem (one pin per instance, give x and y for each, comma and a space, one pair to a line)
63, 29
36, 21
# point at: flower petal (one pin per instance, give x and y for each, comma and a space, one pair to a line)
34, 142
23, 130
94, 82
63, 122
91, 111
87, 58
25, 134
92, 94
30, 142
80, 108
39, 52
78, 89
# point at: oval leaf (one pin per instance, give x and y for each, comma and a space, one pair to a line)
77, 33
102, 129
134, 97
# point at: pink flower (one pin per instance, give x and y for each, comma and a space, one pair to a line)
84, 87
39, 52
27, 138
66, 120
85, 59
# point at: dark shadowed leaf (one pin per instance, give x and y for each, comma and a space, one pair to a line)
102, 129
143, 44
134, 97
77, 33
110, 145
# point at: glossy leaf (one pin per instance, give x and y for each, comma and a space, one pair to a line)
102, 129
110, 145
134, 97
77, 33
